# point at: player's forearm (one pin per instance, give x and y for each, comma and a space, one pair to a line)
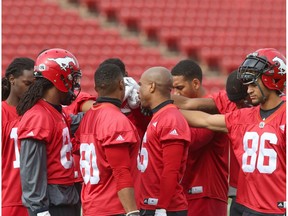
127, 199
202, 104
182, 102
33, 173
204, 120
196, 118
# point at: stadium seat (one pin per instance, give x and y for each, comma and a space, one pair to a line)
217, 34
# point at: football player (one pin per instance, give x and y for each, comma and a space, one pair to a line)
205, 181
163, 155
258, 134
18, 78
109, 145
235, 97
46, 162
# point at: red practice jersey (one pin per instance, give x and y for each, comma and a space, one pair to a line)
167, 126
222, 102
206, 173
139, 120
224, 105
76, 105
136, 117
110, 127
43, 122
11, 184
260, 148
74, 108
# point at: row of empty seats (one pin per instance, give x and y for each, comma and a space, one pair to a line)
45, 25
219, 34
193, 27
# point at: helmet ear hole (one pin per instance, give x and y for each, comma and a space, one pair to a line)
37, 74
277, 64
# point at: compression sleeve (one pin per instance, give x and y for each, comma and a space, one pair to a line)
172, 157
33, 173
76, 119
119, 160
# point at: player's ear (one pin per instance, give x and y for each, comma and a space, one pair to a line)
122, 85
196, 83
152, 87
11, 79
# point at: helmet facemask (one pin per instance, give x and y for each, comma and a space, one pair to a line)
251, 69
74, 79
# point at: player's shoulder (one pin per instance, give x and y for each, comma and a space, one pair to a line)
39, 112
105, 113
170, 115
244, 115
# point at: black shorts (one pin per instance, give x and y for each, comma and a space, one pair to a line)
144, 212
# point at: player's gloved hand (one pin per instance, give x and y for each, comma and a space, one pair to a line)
133, 213
131, 92
160, 212
46, 213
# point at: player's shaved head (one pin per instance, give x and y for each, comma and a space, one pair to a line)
162, 77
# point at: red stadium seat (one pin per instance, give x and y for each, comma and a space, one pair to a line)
217, 34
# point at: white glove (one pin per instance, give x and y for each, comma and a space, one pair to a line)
46, 213
131, 92
160, 212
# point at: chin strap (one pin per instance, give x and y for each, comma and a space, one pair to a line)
264, 97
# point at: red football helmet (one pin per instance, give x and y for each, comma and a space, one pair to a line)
269, 63
60, 67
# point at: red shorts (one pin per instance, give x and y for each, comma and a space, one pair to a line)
15, 211
207, 206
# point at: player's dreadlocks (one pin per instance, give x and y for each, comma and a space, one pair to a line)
34, 93
16, 68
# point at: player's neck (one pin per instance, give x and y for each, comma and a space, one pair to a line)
272, 102
12, 100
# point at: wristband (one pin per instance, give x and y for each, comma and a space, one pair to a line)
133, 213
46, 213
160, 212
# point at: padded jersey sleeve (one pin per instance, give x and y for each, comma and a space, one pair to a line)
231, 119
76, 105
118, 130
173, 128
36, 126
222, 102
